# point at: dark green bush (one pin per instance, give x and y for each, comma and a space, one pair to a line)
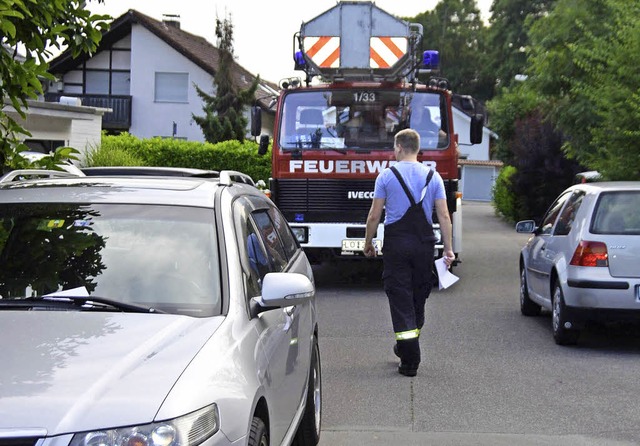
127, 150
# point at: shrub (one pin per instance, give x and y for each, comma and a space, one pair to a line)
112, 155
504, 199
128, 150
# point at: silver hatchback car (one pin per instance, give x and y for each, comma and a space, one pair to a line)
154, 311
583, 261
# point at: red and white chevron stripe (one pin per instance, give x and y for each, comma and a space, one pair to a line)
386, 51
324, 51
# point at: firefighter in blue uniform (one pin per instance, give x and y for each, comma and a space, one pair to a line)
408, 192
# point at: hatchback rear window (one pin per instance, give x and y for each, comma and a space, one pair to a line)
617, 213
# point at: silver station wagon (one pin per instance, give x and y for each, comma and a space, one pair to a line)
154, 311
583, 261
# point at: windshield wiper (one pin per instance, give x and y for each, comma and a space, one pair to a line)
79, 301
308, 146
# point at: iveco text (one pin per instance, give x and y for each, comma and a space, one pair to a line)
359, 195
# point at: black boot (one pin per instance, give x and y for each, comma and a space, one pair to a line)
408, 369
409, 353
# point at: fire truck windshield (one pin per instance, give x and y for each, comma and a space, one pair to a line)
361, 119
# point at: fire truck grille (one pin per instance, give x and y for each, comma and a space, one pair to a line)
317, 201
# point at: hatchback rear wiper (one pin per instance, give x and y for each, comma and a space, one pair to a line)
79, 301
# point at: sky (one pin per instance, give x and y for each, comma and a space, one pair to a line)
263, 30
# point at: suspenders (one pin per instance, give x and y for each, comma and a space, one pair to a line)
404, 185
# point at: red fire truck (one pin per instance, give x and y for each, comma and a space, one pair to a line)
334, 129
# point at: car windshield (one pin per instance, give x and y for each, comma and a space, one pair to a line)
617, 213
361, 119
162, 257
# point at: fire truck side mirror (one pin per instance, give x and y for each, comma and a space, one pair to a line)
264, 145
477, 125
256, 121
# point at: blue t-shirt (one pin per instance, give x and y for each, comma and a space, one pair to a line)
414, 175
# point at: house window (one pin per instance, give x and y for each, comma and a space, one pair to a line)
120, 82
97, 82
172, 87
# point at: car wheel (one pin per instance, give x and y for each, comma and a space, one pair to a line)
562, 334
258, 435
527, 306
308, 433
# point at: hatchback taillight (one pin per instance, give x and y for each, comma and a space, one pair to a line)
590, 254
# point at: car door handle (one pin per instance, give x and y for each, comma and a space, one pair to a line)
290, 310
288, 322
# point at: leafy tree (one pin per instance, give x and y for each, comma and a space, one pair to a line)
224, 119
555, 72
36, 27
512, 104
508, 40
530, 143
584, 62
543, 171
610, 83
455, 29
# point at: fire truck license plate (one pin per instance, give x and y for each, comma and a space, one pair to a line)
353, 245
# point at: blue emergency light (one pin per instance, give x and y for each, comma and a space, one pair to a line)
431, 59
298, 57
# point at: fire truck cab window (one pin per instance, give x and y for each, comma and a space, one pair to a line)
429, 121
313, 120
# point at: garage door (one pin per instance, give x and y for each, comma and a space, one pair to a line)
477, 182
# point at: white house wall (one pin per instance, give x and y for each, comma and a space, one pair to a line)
77, 126
49, 128
149, 55
86, 135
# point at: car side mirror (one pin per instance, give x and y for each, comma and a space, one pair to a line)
286, 289
256, 121
476, 130
526, 226
281, 290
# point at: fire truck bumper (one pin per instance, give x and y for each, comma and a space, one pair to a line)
323, 241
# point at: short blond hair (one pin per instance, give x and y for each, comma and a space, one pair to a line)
409, 140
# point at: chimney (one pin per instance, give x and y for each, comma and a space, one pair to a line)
171, 20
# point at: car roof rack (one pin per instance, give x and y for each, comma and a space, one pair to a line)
150, 171
16, 175
228, 177
225, 177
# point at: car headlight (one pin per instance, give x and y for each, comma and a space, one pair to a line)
188, 430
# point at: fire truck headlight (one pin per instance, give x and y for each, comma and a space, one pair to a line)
438, 234
301, 233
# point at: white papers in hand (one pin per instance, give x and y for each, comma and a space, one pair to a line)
445, 277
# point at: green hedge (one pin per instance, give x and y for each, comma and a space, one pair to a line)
504, 200
127, 150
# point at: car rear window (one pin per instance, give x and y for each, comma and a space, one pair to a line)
164, 257
617, 212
